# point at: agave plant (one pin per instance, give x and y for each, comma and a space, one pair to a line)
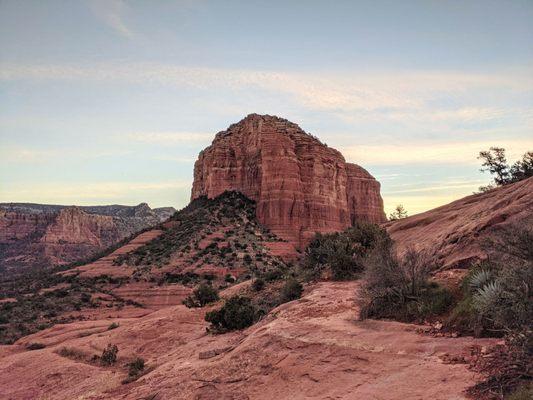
487, 296
480, 279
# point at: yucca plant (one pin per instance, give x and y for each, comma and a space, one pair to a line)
479, 279
487, 295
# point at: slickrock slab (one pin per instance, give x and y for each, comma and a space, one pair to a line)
454, 233
312, 348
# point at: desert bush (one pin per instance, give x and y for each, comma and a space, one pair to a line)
511, 244
506, 302
498, 300
112, 326
495, 300
508, 369
400, 288
35, 346
273, 275
292, 290
258, 284
72, 353
238, 312
342, 252
85, 297
522, 393
136, 367
229, 279
201, 296
109, 355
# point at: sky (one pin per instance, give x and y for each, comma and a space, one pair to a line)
110, 101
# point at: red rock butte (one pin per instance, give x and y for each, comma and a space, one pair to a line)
301, 186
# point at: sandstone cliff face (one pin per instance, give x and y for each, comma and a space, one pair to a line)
453, 234
301, 186
43, 235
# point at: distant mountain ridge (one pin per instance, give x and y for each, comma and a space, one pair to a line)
42, 235
114, 210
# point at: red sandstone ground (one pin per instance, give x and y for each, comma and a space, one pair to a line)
453, 234
312, 348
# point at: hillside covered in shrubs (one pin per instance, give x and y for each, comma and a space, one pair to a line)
222, 233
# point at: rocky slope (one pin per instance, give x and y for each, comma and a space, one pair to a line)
301, 186
312, 348
218, 239
454, 233
44, 235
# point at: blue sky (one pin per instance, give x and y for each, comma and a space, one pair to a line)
108, 101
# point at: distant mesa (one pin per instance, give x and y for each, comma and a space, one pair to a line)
301, 186
42, 235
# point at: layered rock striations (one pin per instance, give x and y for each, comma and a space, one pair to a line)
43, 235
301, 186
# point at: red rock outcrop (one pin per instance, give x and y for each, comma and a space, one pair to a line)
301, 186
454, 233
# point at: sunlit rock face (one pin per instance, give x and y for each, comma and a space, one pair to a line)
457, 234
301, 185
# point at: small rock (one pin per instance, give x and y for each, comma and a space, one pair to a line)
213, 353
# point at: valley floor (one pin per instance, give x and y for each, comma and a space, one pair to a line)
312, 348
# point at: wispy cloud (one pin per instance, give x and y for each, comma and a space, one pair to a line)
415, 204
112, 12
34, 155
84, 193
171, 137
26, 155
431, 153
436, 188
371, 95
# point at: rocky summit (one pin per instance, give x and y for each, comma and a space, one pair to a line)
301, 185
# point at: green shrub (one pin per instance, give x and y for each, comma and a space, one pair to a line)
109, 355
292, 290
258, 284
201, 296
342, 252
238, 312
